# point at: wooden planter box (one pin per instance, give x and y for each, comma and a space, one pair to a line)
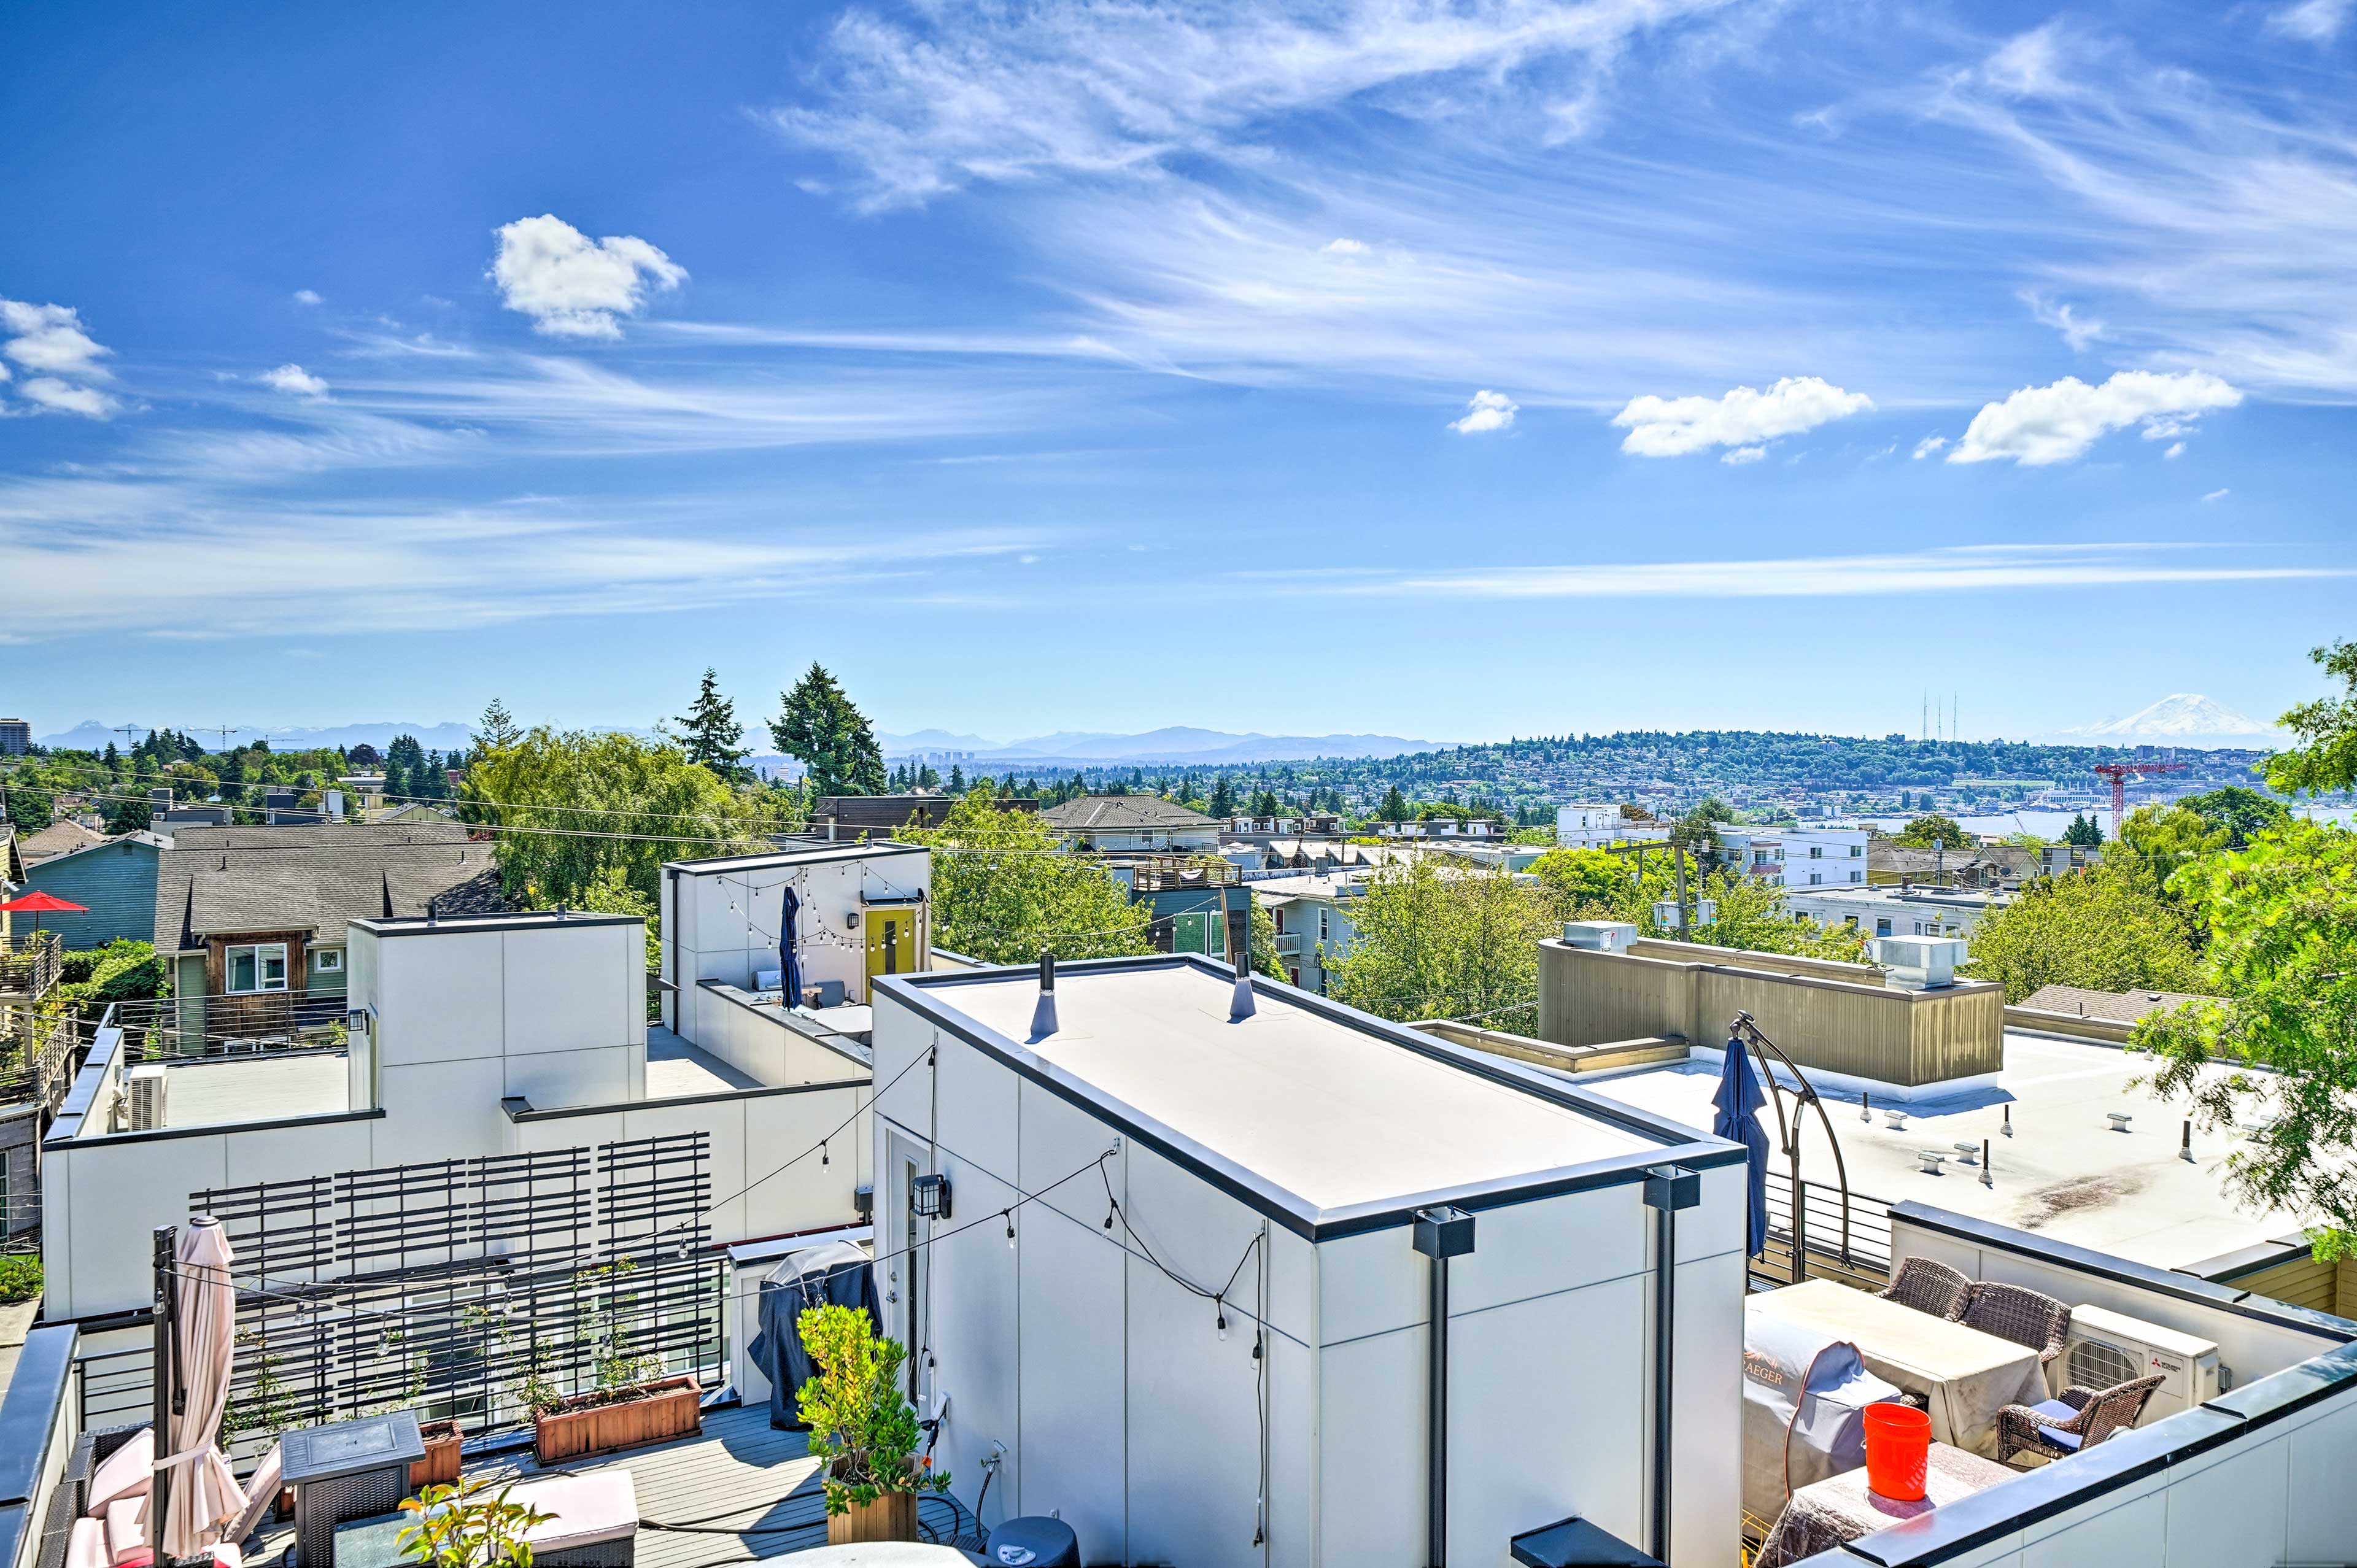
662, 1410
440, 1465
892, 1517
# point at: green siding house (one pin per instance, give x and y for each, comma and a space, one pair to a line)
113, 878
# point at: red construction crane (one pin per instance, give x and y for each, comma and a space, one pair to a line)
2119, 773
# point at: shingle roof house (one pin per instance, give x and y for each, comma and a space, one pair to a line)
261, 911
1132, 822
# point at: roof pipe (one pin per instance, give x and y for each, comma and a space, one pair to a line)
1241, 1006
1043, 1016
1440, 1234
1668, 1188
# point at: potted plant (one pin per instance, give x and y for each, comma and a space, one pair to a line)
863, 1428
440, 1465
458, 1527
630, 1404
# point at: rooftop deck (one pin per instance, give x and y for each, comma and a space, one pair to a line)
750, 1491
2064, 1174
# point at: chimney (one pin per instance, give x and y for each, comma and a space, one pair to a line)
1043, 1016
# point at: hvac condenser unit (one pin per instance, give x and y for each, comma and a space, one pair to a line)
2106, 1348
144, 1092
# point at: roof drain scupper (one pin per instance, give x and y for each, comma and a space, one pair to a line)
1043, 1016
1668, 1188
1441, 1234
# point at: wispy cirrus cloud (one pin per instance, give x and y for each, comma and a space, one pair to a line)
923, 104
1961, 569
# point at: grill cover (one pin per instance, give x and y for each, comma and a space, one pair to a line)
1804, 1395
836, 1274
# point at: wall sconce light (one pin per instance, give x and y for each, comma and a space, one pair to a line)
928, 1197
851, 922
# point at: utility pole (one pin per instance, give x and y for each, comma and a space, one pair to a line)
1685, 921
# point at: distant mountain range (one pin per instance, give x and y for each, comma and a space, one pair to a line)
2181, 718
1177, 743
91, 736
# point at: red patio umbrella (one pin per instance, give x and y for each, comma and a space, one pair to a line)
39, 904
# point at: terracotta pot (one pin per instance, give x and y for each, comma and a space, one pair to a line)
663, 1409
440, 1465
892, 1517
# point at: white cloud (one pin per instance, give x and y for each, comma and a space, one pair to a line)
1996, 568
2176, 450
2312, 21
65, 397
294, 380
1671, 427
2077, 330
307, 296
1346, 247
49, 341
2039, 425
1486, 411
571, 286
1742, 455
48, 337
2217, 495
1929, 445
926, 102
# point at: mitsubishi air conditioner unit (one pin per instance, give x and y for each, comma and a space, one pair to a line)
143, 1096
2107, 1347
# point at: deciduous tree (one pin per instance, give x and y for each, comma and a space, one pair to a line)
1002, 891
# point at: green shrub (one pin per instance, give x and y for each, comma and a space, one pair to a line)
20, 1278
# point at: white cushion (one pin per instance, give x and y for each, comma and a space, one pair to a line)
261, 1492
127, 1472
591, 1506
86, 1547
127, 1532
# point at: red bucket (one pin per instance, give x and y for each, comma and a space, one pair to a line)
1898, 1451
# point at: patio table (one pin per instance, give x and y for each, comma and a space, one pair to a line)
1967, 1376
1824, 1514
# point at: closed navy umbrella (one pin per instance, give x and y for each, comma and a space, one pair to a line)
1739, 1099
787, 942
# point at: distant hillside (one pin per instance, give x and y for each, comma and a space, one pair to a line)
1202, 748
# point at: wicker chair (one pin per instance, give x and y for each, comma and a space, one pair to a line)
2074, 1422
2021, 1315
1929, 1287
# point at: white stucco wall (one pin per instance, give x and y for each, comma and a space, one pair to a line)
1120, 1406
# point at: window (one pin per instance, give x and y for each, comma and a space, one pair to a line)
261, 967
329, 960
1857, 875
1881, 927
1816, 852
1815, 877
1850, 920
1857, 850
1322, 925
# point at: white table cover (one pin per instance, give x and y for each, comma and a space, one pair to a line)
1968, 1375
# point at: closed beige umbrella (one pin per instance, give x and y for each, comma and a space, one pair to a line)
204, 1496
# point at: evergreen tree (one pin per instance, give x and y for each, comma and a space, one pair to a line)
498, 728
2083, 830
1223, 799
114, 758
1394, 807
822, 729
927, 778
957, 780
710, 733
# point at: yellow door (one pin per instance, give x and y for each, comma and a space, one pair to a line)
891, 942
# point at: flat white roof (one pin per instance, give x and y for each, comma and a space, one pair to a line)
2064, 1174
1332, 1111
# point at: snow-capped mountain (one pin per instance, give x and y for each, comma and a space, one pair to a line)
2181, 718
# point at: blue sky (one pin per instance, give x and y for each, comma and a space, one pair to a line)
1450, 370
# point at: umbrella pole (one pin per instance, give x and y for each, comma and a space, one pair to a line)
167, 1306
